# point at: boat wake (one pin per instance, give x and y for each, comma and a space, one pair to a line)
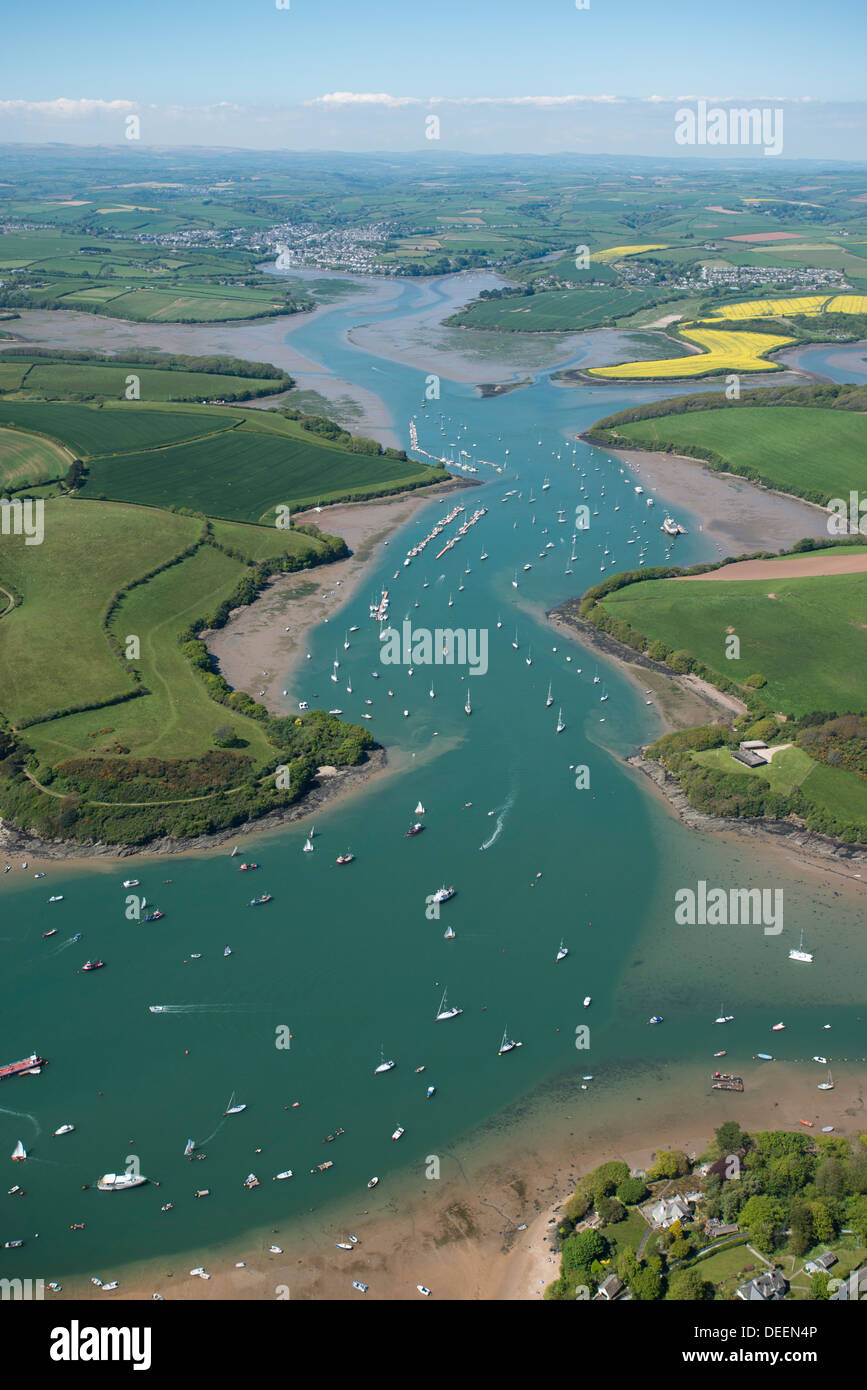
22, 1115
501, 812
208, 1008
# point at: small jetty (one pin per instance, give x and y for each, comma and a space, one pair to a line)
723, 1081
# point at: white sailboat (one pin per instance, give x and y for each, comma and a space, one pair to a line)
468, 709
823, 1085
515, 642
549, 698
515, 580
529, 657
508, 1044
604, 696
562, 952
190, 1145
597, 677
800, 953
560, 725
431, 691
419, 810
383, 1065
19, 1152
444, 1012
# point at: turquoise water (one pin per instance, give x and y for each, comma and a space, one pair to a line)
346, 959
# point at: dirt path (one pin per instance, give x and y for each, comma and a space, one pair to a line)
794, 567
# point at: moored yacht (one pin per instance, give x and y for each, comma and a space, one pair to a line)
444, 1012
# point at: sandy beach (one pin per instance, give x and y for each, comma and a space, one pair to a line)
739, 516
271, 634
460, 1236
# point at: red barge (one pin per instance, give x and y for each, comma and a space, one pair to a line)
31, 1066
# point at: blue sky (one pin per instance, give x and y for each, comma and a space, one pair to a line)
201, 57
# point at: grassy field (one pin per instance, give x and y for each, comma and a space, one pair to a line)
808, 641
556, 310
26, 459
263, 542
842, 793
794, 448
61, 380
53, 653
723, 350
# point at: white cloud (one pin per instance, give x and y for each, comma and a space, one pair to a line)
67, 107
362, 99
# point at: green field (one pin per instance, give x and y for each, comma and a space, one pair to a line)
53, 653
218, 461
244, 473
62, 380
27, 459
809, 641
800, 449
90, 431
550, 311
842, 793
258, 543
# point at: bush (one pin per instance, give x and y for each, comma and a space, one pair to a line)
631, 1191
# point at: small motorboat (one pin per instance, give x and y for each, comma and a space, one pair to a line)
587, 1001
246, 868
154, 916
357, 1284
656, 1018
93, 965
281, 1177
251, 1181
12, 1244
431, 1091
415, 829
64, 1129
425, 1292
130, 883
777, 1027
257, 902
343, 1245
275, 1249
77, 937
344, 858
822, 1060
720, 1054
764, 1056
374, 1182
112, 1285
399, 1132
46, 934
57, 898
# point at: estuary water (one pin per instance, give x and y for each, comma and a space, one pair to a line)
546, 837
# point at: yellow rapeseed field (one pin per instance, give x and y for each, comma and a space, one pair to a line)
724, 350
848, 304
771, 308
615, 253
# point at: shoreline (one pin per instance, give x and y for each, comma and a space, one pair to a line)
741, 516
787, 833
258, 635
462, 1237
247, 640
